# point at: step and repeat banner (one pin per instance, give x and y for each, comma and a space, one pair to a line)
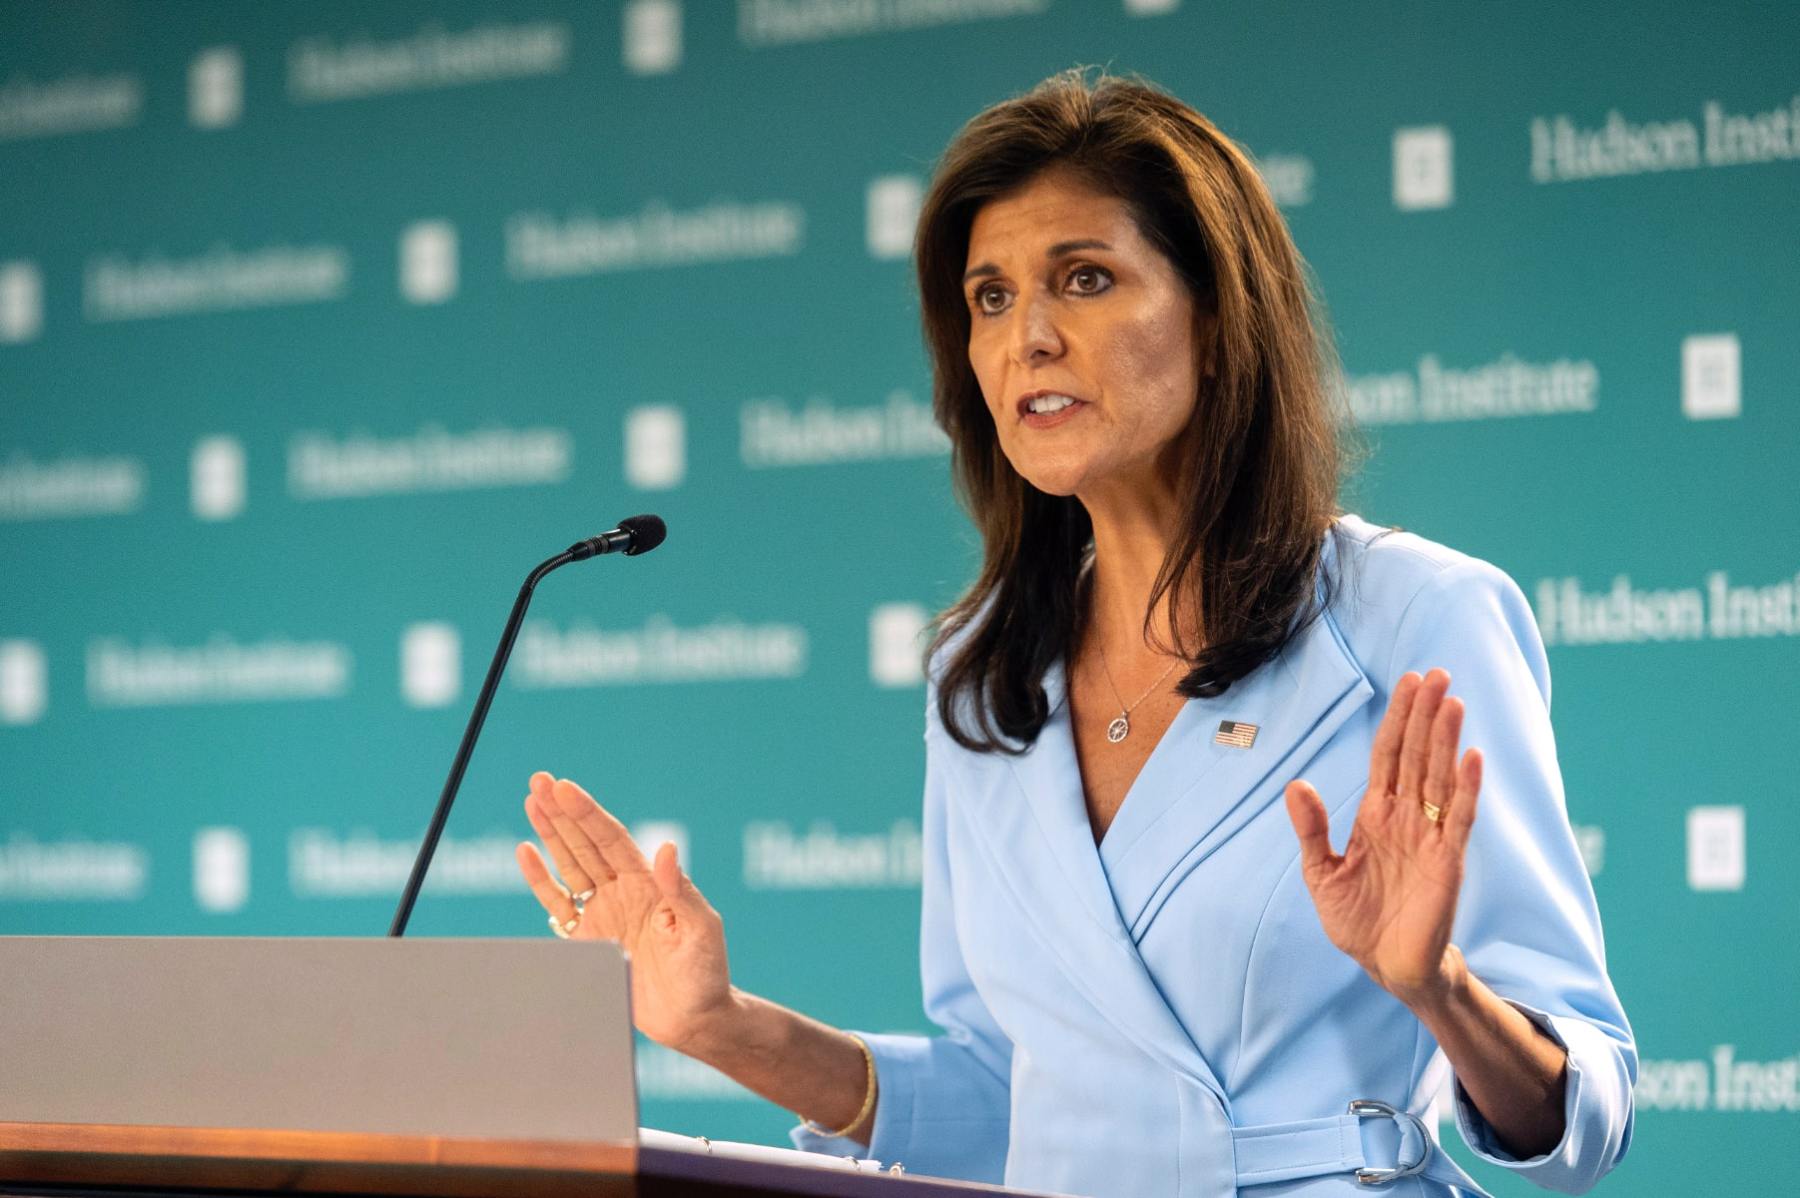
320, 324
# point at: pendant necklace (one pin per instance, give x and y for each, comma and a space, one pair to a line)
1120, 728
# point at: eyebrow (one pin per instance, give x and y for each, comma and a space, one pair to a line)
988, 270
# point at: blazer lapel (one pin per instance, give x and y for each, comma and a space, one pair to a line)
1029, 815
1086, 906
1195, 793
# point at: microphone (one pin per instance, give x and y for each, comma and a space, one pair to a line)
635, 535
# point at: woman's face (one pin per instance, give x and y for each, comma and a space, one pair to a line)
1068, 301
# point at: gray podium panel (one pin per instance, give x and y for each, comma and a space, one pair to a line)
467, 1038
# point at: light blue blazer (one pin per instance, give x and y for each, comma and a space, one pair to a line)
1162, 1014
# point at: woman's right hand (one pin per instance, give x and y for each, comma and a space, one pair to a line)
680, 982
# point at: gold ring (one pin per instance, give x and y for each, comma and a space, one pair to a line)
1432, 811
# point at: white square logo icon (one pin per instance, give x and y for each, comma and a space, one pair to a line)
1715, 848
221, 869
1590, 840
430, 664
21, 302
892, 212
24, 685
216, 478
216, 88
1423, 171
655, 447
897, 644
652, 36
651, 835
1711, 388
428, 262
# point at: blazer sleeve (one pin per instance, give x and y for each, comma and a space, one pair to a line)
943, 1102
1527, 922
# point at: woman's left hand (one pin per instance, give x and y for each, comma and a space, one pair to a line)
1389, 900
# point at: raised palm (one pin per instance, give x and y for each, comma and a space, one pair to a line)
1389, 900
676, 941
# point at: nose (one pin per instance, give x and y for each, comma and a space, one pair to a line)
1034, 335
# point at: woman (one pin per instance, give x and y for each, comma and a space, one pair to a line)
1149, 980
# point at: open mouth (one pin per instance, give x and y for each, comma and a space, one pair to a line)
1040, 409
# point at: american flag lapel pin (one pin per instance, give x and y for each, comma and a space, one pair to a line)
1235, 735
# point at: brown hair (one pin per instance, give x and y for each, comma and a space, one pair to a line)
1260, 461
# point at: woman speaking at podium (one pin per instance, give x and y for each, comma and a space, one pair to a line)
1181, 677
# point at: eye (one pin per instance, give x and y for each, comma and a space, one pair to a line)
1089, 280
990, 300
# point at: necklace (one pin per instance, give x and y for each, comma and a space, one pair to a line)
1120, 728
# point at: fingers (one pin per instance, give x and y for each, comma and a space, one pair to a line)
1384, 757
540, 811
667, 870
550, 896
1439, 785
1415, 748
1312, 825
599, 841
1460, 819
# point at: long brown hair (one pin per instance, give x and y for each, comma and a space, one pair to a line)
1259, 463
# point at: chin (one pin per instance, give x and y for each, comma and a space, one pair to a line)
1053, 474
1059, 482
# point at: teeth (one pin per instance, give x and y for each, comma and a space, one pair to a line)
1050, 403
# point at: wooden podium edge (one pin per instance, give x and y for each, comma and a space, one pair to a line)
102, 1155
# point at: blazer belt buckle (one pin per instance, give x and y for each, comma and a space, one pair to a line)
1368, 1108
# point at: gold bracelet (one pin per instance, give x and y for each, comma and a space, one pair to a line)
868, 1103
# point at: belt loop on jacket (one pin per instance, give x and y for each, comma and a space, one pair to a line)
1364, 1108
1272, 1152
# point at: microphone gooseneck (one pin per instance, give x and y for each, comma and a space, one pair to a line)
633, 536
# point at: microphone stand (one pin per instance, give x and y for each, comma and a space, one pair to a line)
476, 718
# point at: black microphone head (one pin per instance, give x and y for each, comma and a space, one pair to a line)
647, 532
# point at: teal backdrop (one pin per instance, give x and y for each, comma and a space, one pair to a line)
321, 323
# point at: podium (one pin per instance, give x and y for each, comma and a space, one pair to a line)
162, 1162
242, 1066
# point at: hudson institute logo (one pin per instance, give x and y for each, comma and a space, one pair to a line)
430, 664
897, 644
1715, 848
893, 210
321, 70
24, 689
1289, 178
216, 88
652, 36
221, 870
1565, 151
428, 272
651, 834
1710, 377
774, 433
21, 302
764, 23
1723, 1083
71, 104
1501, 389
777, 857
1423, 171
216, 478
1628, 614
655, 447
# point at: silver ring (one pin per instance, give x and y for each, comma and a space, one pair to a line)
563, 928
